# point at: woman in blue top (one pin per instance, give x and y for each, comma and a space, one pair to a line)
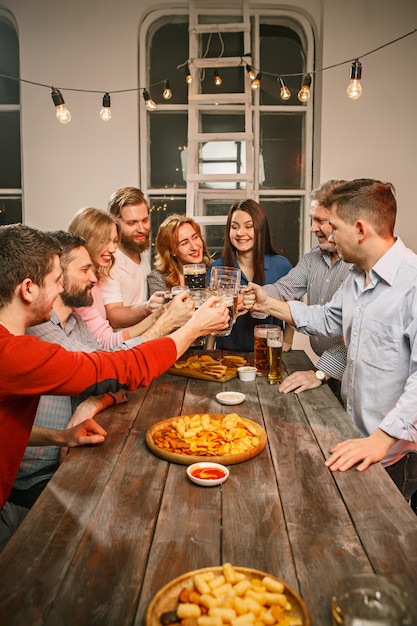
248, 246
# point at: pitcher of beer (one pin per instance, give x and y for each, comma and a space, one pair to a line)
223, 277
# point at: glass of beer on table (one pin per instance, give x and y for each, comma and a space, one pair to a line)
274, 343
369, 600
195, 275
260, 348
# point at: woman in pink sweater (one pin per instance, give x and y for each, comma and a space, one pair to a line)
101, 233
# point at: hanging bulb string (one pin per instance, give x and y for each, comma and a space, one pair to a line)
190, 61
329, 67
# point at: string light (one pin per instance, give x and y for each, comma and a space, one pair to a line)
256, 83
250, 71
149, 103
354, 90
62, 113
105, 113
167, 93
217, 78
285, 93
188, 77
304, 93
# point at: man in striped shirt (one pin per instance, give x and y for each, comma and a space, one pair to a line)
318, 274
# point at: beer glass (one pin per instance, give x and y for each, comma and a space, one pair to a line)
369, 600
195, 275
199, 296
274, 344
176, 289
222, 276
260, 348
227, 295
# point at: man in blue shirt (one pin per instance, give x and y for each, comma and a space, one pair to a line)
375, 310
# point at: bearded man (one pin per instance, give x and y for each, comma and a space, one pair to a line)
125, 292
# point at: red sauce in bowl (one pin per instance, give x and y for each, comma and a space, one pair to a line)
208, 473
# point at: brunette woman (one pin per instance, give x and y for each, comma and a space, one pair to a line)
248, 246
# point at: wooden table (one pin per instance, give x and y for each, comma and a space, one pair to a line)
116, 522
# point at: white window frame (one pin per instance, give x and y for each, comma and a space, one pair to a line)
300, 24
11, 193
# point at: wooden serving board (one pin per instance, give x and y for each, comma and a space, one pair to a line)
231, 372
167, 598
186, 459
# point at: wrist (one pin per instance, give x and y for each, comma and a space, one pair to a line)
268, 304
321, 376
112, 398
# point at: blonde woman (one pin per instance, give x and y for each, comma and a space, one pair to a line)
100, 231
179, 241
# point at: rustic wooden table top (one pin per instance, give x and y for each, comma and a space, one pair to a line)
116, 522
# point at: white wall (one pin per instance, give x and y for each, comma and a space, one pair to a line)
93, 45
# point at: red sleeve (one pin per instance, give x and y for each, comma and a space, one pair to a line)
30, 367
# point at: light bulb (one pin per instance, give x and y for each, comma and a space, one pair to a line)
188, 77
62, 113
250, 71
354, 90
256, 83
304, 93
149, 103
285, 93
167, 93
105, 112
217, 78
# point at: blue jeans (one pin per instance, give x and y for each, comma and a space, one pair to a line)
404, 475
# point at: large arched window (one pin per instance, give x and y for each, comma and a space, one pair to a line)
209, 146
10, 168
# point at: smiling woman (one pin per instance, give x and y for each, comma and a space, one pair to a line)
100, 231
179, 241
248, 246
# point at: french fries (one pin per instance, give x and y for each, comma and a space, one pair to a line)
233, 599
208, 435
211, 367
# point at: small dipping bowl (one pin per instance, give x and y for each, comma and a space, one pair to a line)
230, 397
207, 474
247, 373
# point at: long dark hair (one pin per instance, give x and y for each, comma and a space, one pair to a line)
262, 243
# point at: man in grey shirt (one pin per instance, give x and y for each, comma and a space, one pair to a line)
319, 275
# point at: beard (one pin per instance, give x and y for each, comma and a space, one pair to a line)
132, 246
75, 297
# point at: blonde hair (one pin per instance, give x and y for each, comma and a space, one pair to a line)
166, 244
94, 225
126, 196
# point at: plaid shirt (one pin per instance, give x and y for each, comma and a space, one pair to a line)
316, 276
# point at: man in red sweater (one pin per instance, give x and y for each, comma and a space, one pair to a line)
30, 281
